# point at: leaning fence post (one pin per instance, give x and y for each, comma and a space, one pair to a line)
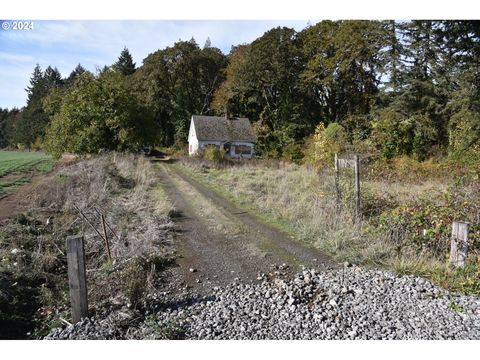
459, 243
357, 186
76, 277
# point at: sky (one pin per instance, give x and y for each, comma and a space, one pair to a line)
64, 44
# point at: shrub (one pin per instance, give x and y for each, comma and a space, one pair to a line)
37, 144
213, 153
324, 144
293, 153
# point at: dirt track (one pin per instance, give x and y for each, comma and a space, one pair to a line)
223, 243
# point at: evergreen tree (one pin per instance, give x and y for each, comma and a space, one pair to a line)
125, 63
424, 96
8, 121
36, 84
392, 57
52, 78
34, 119
79, 70
461, 40
208, 43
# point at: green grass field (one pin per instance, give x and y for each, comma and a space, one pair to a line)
17, 168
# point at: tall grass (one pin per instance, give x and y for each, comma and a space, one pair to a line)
396, 213
32, 245
301, 201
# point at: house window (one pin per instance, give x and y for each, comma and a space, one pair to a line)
243, 149
190, 148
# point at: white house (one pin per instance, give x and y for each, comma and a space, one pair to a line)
233, 135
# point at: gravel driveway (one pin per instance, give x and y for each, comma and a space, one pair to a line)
218, 243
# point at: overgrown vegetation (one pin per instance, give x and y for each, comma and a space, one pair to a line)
403, 94
406, 218
97, 114
34, 293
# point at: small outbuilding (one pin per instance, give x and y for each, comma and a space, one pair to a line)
235, 136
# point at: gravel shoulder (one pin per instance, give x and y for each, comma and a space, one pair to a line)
349, 303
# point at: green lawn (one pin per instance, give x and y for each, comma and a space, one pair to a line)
17, 168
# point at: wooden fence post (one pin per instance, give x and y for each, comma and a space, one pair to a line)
337, 181
459, 243
76, 277
357, 187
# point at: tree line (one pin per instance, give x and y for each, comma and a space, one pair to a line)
394, 88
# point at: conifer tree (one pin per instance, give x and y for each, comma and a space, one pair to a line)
79, 70
125, 63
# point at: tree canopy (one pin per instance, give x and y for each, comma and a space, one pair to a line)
395, 88
98, 114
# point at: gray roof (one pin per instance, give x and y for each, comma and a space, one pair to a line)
220, 128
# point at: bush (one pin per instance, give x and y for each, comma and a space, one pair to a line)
213, 153
37, 144
321, 148
293, 153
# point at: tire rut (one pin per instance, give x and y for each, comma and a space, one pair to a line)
220, 258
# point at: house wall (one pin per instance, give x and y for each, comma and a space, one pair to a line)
192, 140
194, 145
233, 150
235, 154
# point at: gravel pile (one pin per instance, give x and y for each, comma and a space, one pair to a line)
349, 303
123, 323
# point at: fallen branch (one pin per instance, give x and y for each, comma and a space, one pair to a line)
65, 322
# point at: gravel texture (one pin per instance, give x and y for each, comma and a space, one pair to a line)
348, 303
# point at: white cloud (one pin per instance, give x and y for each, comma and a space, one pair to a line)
64, 44
15, 57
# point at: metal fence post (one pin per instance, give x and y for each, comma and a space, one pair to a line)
337, 181
357, 187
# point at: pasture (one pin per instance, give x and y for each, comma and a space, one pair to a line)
17, 168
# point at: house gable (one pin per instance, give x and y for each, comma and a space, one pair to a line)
218, 128
235, 136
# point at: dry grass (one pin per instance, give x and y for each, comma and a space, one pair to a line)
302, 202
118, 185
298, 199
121, 186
